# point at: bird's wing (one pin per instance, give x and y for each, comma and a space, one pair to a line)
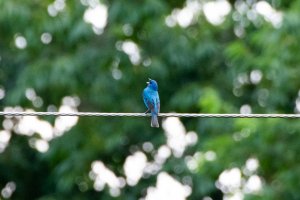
150, 102
147, 100
158, 106
157, 103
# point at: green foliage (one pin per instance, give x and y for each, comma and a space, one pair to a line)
199, 68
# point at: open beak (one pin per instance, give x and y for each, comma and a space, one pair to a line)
149, 81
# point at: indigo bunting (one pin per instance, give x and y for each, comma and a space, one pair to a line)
151, 100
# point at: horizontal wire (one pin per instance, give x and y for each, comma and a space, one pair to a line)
98, 114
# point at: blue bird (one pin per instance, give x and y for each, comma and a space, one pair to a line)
151, 100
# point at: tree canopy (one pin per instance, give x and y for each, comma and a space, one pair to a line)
95, 56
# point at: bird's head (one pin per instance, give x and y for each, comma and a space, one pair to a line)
152, 84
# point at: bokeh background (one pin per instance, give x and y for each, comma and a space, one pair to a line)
207, 56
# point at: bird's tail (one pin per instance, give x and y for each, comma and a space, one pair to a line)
154, 121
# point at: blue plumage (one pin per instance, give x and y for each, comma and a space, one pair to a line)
151, 100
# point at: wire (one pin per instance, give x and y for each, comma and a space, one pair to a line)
98, 114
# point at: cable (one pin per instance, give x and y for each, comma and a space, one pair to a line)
98, 114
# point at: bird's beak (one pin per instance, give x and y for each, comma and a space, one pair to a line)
149, 81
